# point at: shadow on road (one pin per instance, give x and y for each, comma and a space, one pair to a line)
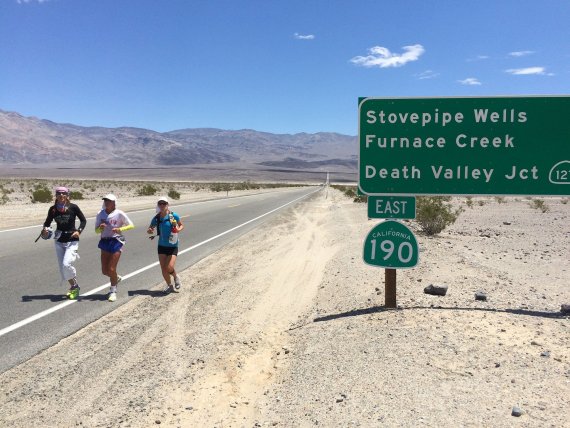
151, 293
50, 297
94, 297
63, 297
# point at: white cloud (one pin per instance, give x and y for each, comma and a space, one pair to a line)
381, 57
304, 36
478, 58
528, 70
520, 53
470, 81
428, 74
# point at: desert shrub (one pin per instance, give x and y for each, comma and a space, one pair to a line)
41, 194
220, 187
538, 204
244, 185
469, 202
4, 195
350, 192
500, 199
435, 213
564, 201
75, 194
147, 190
481, 203
173, 194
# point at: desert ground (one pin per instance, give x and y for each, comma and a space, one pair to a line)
287, 327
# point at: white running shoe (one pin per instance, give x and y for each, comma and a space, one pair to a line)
112, 297
176, 284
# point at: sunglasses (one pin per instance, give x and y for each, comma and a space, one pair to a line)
163, 203
60, 193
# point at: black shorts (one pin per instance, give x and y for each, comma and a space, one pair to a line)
169, 251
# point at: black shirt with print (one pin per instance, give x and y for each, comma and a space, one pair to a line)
66, 221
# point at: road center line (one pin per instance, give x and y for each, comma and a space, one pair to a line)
129, 275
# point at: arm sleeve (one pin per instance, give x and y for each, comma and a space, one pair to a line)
82, 219
98, 227
49, 217
127, 227
127, 223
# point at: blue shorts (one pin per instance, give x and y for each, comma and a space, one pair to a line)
110, 245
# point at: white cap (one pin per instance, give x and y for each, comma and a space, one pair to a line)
110, 197
163, 198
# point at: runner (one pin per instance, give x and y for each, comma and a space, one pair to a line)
66, 236
167, 225
111, 223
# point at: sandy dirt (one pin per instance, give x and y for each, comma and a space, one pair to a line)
287, 327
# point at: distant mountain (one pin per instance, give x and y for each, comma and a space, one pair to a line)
35, 142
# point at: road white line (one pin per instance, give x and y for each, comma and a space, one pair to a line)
102, 287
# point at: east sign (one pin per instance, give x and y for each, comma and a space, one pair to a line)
387, 206
391, 245
466, 146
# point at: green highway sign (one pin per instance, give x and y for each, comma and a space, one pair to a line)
391, 245
465, 146
387, 206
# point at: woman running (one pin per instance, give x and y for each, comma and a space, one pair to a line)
111, 223
167, 225
66, 236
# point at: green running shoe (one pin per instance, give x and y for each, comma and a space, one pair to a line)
73, 292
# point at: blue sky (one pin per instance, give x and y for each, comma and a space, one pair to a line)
278, 66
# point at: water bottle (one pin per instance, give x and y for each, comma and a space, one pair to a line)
173, 238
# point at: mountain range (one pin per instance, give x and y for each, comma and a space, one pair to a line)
39, 143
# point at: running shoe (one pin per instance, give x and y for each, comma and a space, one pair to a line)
73, 292
176, 284
168, 289
119, 279
111, 297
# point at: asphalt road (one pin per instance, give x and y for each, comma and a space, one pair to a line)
34, 313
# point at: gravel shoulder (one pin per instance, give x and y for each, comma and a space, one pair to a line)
286, 327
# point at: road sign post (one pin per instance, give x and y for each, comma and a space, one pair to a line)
465, 146
390, 300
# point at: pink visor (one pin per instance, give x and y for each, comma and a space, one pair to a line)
61, 189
